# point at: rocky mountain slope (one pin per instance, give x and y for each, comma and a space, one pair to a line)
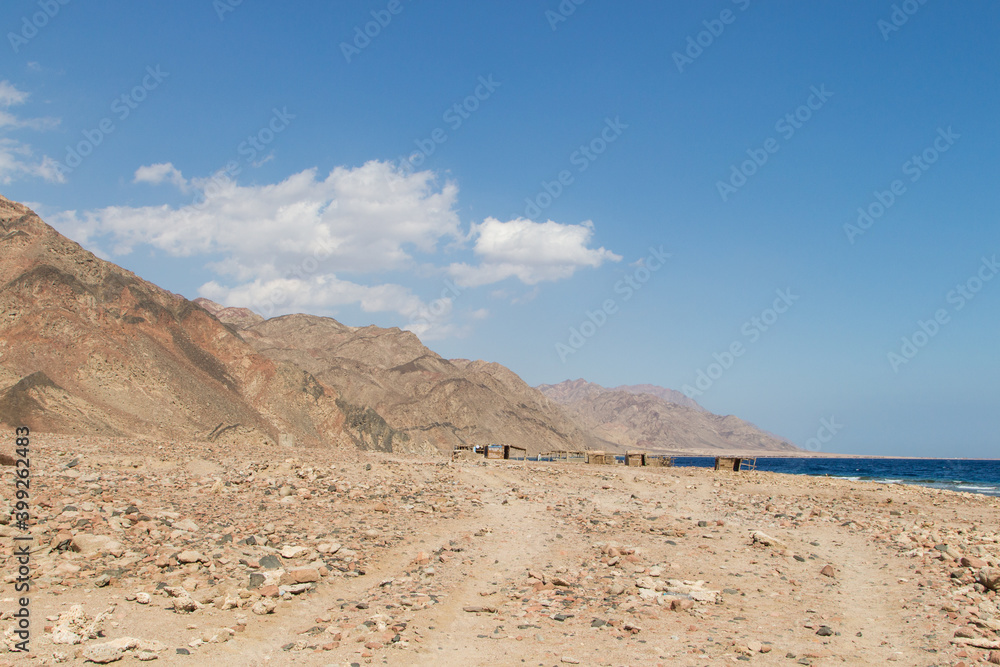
572, 391
412, 397
647, 421
88, 347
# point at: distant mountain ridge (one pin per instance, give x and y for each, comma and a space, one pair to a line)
575, 390
428, 403
638, 417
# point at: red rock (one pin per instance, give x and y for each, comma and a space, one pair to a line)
304, 575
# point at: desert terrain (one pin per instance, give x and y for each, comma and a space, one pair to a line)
249, 554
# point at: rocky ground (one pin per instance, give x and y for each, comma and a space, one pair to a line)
199, 554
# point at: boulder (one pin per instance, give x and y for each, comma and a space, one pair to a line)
91, 545
109, 651
990, 578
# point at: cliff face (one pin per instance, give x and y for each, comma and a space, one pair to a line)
88, 347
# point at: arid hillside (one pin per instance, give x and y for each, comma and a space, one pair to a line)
637, 420
88, 347
428, 403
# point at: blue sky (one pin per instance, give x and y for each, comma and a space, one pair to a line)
276, 157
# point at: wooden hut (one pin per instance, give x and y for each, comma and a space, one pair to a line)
658, 460
600, 458
728, 463
635, 459
515, 453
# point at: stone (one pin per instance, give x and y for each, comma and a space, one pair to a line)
186, 525
971, 561
269, 562
828, 571
292, 551
91, 545
182, 600
766, 540
989, 577
191, 556
62, 635
304, 575
263, 606
217, 635
109, 651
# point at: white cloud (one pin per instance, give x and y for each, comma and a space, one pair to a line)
533, 252
11, 96
312, 244
156, 174
281, 295
17, 158
362, 220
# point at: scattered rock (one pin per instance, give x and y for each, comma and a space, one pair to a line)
109, 651
191, 556
989, 577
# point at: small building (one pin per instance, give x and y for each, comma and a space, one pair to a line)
600, 458
464, 453
728, 463
658, 460
635, 459
494, 451
515, 453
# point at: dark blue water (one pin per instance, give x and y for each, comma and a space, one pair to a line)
956, 474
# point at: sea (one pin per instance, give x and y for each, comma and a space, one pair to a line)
967, 475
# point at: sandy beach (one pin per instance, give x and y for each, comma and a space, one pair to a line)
198, 554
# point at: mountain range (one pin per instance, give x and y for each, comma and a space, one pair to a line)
87, 347
655, 419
